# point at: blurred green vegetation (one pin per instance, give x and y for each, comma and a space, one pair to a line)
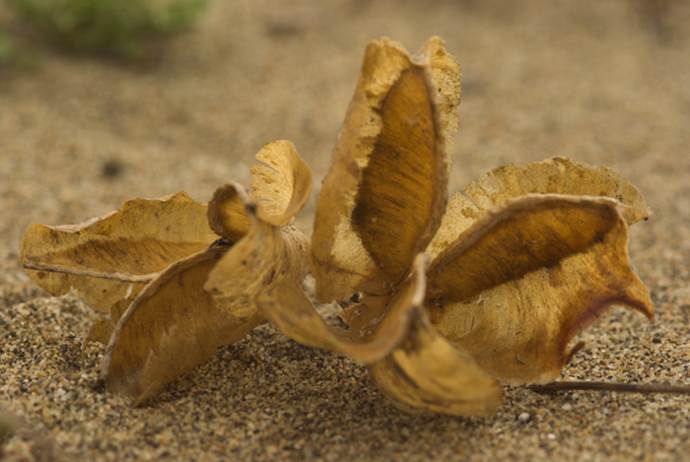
6, 47
119, 27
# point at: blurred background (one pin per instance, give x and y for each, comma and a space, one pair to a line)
100, 104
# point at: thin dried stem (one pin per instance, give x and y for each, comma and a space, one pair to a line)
554, 387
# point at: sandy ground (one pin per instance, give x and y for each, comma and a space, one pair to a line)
600, 82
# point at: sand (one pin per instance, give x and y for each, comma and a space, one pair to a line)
601, 82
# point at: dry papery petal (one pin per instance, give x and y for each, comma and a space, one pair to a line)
171, 326
552, 176
290, 310
426, 373
517, 285
266, 255
281, 182
412, 364
271, 250
208, 300
382, 199
446, 76
111, 258
226, 214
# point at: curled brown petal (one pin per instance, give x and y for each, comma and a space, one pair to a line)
412, 364
110, 258
282, 181
424, 371
170, 327
382, 199
552, 176
446, 76
206, 300
226, 215
516, 287
289, 309
264, 256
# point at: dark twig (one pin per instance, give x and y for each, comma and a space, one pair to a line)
554, 387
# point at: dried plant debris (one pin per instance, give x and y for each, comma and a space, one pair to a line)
443, 299
518, 265
151, 263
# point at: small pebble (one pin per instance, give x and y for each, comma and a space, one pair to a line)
524, 417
